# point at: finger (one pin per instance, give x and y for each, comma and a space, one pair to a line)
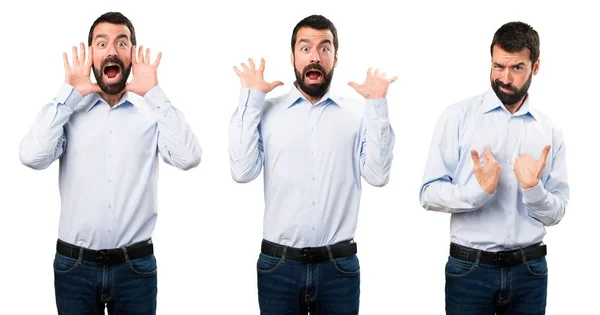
275, 84
141, 54
90, 56
354, 85
475, 158
133, 55
370, 72
147, 57
245, 67
486, 155
545, 152
74, 52
81, 53
237, 71
393, 79
251, 64
377, 73
66, 61
261, 67
157, 61
96, 88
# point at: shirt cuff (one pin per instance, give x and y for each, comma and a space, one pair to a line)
252, 98
475, 194
534, 194
69, 96
376, 108
157, 99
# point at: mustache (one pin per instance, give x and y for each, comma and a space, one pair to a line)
314, 66
112, 60
499, 83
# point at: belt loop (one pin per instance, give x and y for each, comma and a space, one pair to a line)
523, 255
329, 252
284, 255
478, 259
80, 258
125, 253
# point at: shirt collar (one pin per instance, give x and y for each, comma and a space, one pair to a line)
295, 96
127, 99
492, 102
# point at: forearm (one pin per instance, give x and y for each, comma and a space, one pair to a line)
378, 146
45, 141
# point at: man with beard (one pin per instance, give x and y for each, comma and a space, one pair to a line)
498, 165
314, 146
108, 136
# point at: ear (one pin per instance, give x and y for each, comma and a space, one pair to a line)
292, 59
335, 60
536, 66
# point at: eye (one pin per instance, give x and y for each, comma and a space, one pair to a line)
304, 49
518, 67
325, 48
101, 44
121, 44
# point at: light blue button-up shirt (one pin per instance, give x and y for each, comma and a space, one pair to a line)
313, 158
108, 169
511, 217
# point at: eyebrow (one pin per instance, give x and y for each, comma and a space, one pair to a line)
105, 36
325, 41
497, 64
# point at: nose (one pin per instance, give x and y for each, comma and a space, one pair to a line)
314, 57
506, 76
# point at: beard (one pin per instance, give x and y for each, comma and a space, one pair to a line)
517, 94
115, 88
314, 90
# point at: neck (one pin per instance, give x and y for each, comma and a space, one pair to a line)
112, 100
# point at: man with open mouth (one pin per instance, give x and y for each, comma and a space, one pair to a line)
108, 136
314, 146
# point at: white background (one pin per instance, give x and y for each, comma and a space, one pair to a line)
209, 229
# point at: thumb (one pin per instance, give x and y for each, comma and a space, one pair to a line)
96, 88
354, 85
275, 84
545, 152
475, 157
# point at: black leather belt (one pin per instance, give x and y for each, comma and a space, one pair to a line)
106, 256
500, 259
309, 255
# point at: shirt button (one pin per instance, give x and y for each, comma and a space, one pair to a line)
314, 177
108, 231
313, 202
109, 180
109, 205
312, 153
509, 186
109, 155
110, 131
312, 128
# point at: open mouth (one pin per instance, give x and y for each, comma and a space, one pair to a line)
313, 75
507, 90
111, 73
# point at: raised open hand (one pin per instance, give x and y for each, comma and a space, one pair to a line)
252, 78
77, 74
375, 85
144, 72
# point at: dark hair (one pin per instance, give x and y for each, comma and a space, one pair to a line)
317, 22
516, 36
113, 18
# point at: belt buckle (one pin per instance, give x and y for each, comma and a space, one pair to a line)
307, 255
107, 257
505, 259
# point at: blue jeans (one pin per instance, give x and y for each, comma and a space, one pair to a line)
289, 287
83, 287
474, 288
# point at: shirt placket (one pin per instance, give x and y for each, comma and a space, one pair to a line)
313, 176
110, 167
512, 185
